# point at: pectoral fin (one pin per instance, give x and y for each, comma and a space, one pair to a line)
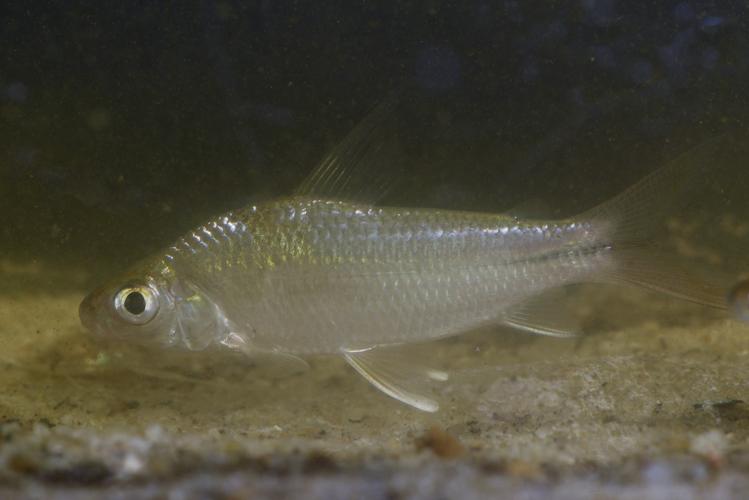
395, 376
277, 363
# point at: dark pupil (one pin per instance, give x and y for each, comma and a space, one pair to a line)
135, 303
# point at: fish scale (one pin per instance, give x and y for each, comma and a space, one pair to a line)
334, 273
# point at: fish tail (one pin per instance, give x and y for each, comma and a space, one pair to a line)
629, 222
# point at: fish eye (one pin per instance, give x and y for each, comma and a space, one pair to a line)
136, 304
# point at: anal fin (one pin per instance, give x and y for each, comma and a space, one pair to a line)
397, 377
544, 314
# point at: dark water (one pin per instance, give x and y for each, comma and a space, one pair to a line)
125, 123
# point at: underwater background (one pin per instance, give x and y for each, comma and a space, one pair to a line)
125, 124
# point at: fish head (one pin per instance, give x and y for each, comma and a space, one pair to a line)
154, 306
137, 308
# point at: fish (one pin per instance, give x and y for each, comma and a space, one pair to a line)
738, 301
330, 270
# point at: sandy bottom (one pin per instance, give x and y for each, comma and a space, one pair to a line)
649, 403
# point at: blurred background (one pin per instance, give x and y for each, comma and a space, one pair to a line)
123, 124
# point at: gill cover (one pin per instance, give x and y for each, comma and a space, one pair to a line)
199, 320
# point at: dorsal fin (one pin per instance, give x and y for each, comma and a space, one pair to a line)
364, 166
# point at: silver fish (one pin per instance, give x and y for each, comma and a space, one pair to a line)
328, 271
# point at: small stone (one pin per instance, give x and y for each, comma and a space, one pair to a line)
22, 464
441, 443
711, 445
524, 470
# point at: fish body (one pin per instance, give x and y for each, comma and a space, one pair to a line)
312, 276
322, 273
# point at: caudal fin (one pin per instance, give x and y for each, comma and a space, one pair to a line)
633, 219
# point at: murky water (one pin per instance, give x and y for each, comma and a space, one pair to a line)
123, 126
